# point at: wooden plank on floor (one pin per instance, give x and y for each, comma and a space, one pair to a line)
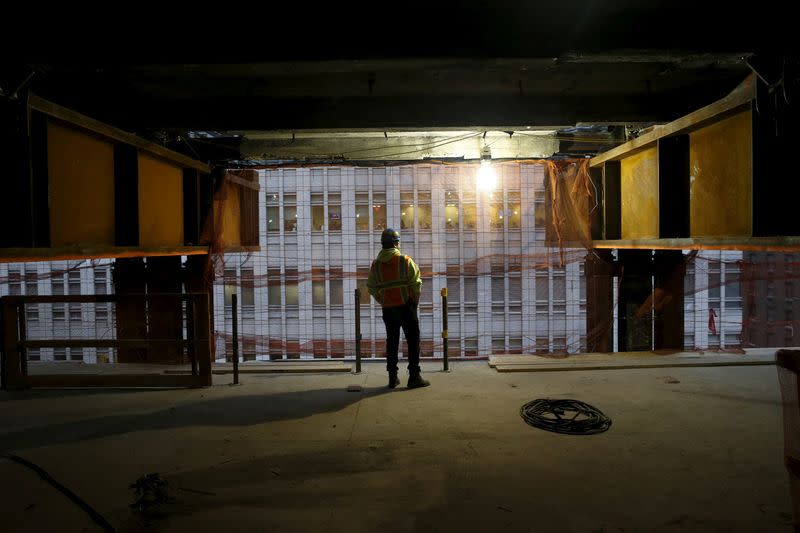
511, 359
287, 370
115, 380
623, 366
276, 368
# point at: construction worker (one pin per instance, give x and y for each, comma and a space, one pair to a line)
395, 283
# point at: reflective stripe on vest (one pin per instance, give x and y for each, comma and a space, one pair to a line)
391, 278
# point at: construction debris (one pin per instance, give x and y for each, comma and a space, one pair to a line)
151, 494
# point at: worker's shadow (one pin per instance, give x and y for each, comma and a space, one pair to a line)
246, 410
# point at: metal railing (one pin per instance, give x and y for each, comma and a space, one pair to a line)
195, 338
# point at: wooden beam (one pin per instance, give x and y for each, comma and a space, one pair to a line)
241, 249
755, 244
97, 298
737, 101
21, 255
243, 182
73, 117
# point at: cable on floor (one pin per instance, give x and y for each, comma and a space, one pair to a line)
95, 516
572, 417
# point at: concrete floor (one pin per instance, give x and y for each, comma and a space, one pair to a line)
300, 453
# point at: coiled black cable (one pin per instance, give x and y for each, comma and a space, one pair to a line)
572, 417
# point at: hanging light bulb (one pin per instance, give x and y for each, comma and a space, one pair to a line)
486, 178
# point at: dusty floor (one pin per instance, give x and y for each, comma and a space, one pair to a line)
300, 453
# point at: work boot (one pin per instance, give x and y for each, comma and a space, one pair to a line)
415, 381
394, 381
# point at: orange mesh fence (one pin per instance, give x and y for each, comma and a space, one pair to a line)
514, 262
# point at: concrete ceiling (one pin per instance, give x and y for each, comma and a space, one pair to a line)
421, 70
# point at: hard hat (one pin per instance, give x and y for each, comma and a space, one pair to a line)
389, 237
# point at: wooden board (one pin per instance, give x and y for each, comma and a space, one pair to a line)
754, 244
114, 134
640, 195
81, 187
231, 216
739, 99
160, 202
721, 174
22, 255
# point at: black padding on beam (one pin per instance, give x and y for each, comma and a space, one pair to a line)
596, 206
775, 140
40, 205
673, 187
126, 195
16, 218
612, 196
191, 207
206, 188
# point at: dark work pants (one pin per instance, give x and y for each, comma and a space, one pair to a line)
404, 316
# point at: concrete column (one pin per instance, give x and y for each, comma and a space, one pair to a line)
670, 268
635, 290
165, 315
129, 278
599, 301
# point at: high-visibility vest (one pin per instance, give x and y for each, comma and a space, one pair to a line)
392, 280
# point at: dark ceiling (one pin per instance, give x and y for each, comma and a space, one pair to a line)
412, 67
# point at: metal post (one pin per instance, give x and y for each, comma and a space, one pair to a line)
444, 328
23, 336
234, 302
191, 305
3, 371
358, 331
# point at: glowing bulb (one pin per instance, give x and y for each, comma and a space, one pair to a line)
486, 178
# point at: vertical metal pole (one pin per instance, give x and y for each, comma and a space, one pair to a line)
193, 323
358, 331
444, 328
12, 378
23, 335
234, 302
3, 371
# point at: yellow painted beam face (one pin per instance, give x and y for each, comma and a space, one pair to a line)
231, 216
721, 170
160, 202
80, 170
640, 195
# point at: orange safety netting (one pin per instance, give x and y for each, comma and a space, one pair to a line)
518, 265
